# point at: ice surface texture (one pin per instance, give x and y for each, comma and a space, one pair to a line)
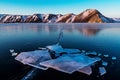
33, 58
86, 70
70, 63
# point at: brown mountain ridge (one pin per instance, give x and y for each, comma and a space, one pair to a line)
87, 16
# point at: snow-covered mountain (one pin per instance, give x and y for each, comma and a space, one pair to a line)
116, 19
91, 16
87, 16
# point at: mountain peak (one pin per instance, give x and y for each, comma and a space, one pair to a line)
91, 16
91, 10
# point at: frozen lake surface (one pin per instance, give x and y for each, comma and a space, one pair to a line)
101, 38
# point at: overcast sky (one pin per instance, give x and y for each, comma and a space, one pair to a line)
110, 8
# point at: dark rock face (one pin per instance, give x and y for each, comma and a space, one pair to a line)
64, 18
11, 19
50, 18
87, 16
36, 18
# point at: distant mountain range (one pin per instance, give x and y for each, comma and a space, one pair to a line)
87, 16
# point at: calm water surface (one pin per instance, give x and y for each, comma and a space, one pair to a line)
102, 38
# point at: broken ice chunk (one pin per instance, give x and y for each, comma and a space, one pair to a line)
63, 63
33, 58
114, 58
86, 70
14, 54
70, 63
99, 54
57, 48
41, 48
104, 63
83, 51
91, 53
106, 55
11, 50
102, 71
71, 50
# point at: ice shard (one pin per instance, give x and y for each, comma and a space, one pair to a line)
11, 50
14, 54
70, 63
86, 70
83, 51
106, 55
104, 63
102, 71
57, 48
99, 54
114, 58
33, 58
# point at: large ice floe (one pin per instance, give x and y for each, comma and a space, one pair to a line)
70, 62
64, 59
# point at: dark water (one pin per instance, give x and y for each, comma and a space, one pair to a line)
102, 38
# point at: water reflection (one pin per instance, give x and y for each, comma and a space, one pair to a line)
85, 30
89, 32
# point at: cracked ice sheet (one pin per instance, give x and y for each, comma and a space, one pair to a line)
70, 63
33, 58
86, 70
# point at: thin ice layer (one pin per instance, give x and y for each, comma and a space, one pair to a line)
86, 70
57, 48
33, 58
102, 71
70, 63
